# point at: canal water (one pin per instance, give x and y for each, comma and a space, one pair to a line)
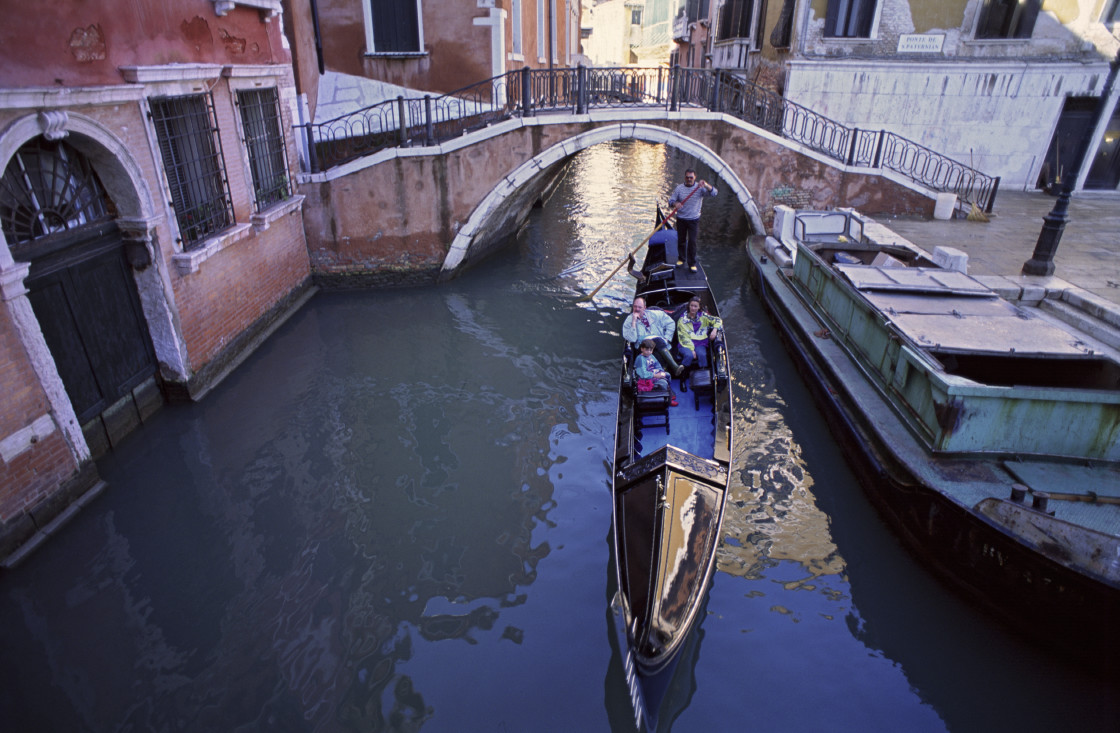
395, 516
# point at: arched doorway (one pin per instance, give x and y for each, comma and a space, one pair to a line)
57, 217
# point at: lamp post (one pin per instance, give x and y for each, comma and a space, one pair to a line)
1054, 223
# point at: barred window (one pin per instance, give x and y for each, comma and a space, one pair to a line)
187, 131
260, 119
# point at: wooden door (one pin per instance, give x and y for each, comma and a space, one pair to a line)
85, 297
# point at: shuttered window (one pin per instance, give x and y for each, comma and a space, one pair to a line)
396, 26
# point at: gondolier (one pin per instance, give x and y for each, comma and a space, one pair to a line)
688, 215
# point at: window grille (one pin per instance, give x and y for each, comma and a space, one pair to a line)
396, 27
1007, 18
187, 131
849, 18
49, 187
260, 119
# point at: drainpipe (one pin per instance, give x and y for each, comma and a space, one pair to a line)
551, 35
318, 35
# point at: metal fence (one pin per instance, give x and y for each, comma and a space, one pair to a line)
429, 120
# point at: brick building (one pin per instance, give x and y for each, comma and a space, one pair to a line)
151, 229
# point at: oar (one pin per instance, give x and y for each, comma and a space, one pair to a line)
634, 251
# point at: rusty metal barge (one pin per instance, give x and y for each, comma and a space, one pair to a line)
986, 432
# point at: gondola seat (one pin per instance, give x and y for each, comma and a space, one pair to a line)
700, 382
651, 410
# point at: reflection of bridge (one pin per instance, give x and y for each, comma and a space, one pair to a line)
417, 187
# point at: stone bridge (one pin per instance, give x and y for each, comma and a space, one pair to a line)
420, 214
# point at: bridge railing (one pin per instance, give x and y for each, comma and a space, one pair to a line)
429, 120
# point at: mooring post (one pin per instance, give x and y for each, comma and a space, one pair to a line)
1054, 223
526, 93
402, 135
429, 125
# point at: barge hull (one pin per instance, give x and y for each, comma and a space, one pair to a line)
1033, 594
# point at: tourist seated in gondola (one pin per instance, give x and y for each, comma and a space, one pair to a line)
652, 323
646, 366
694, 330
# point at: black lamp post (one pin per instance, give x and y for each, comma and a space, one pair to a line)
1054, 223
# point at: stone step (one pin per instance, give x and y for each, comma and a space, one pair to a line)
1088, 321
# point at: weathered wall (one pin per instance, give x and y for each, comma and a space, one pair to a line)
459, 43
70, 42
986, 117
991, 103
34, 455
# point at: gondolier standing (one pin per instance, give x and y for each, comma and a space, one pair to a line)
688, 215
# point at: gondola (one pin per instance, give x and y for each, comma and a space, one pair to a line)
670, 476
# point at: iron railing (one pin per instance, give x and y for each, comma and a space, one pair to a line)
427, 120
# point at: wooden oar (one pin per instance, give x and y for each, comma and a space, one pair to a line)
634, 251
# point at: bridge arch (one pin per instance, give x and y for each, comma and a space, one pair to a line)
524, 173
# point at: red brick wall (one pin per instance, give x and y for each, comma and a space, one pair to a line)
238, 285
33, 474
84, 42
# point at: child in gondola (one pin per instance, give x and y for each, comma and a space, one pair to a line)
646, 366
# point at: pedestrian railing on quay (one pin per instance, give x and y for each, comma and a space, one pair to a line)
429, 120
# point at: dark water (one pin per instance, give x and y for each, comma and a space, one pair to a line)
395, 516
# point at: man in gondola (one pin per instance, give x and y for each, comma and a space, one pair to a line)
655, 324
688, 196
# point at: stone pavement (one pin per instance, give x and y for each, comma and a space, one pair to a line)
1088, 255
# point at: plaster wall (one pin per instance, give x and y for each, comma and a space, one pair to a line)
998, 118
70, 42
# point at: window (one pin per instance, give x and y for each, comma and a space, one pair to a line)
268, 160
49, 187
636, 16
1007, 18
515, 27
735, 19
849, 18
697, 10
397, 26
542, 42
187, 131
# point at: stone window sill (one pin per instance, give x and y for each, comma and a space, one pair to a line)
262, 220
269, 8
189, 261
396, 54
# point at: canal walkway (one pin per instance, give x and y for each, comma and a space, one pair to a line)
1088, 256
